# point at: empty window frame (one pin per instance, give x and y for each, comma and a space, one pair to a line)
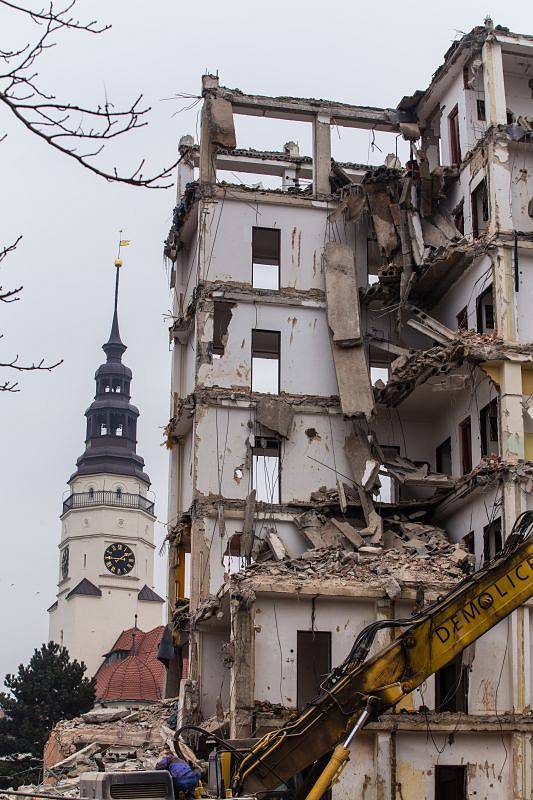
451, 687
485, 311
313, 663
266, 255
480, 107
480, 208
488, 428
462, 319
450, 782
266, 361
455, 142
443, 457
465, 439
266, 469
468, 542
459, 217
492, 539
374, 259
221, 320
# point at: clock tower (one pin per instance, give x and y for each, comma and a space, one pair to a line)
106, 551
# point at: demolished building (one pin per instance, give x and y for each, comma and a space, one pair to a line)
314, 497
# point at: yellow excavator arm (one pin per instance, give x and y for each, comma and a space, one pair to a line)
360, 688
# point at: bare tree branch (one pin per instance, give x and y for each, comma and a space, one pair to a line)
63, 124
10, 296
60, 16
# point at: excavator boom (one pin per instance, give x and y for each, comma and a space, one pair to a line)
430, 640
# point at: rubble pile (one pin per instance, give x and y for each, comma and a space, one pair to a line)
110, 739
412, 552
408, 371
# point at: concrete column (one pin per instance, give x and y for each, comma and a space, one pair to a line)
511, 411
493, 82
504, 294
321, 154
185, 167
383, 759
499, 187
242, 694
207, 148
522, 766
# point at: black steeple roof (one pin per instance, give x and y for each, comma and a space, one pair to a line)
111, 441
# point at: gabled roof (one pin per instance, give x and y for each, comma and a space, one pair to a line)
85, 587
148, 595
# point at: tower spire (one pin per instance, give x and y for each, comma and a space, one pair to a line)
114, 347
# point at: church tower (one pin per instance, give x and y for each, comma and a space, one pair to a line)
106, 551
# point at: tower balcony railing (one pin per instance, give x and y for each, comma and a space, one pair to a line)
103, 498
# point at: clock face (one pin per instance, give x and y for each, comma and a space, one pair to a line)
64, 563
119, 558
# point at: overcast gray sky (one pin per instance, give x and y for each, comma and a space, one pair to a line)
369, 54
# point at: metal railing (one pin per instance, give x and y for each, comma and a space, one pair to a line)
102, 498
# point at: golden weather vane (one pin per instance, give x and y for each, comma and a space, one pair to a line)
121, 243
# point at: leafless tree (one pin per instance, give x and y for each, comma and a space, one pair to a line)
12, 296
76, 131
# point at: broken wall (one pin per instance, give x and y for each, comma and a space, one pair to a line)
521, 169
214, 675
304, 345
301, 223
300, 474
517, 90
278, 616
433, 412
484, 755
464, 292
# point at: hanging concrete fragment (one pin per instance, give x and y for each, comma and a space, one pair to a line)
341, 295
275, 414
221, 126
353, 379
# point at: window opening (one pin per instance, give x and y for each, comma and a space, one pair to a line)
266, 469
265, 361
266, 250
450, 782
485, 311
443, 457
462, 319
117, 385
459, 217
119, 492
468, 542
451, 687
480, 104
91, 493
221, 319
313, 663
455, 142
465, 437
492, 539
379, 372
480, 208
84, 560
374, 259
488, 428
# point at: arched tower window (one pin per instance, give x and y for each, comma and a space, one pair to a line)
119, 492
91, 492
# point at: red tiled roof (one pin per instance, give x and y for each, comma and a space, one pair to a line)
139, 676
